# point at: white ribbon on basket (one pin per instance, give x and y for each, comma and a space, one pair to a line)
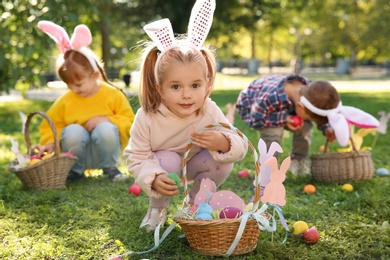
262, 222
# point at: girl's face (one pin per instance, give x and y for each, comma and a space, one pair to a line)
86, 87
184, 88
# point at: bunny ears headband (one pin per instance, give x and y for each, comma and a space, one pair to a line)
340, 117
161, 31
81, 38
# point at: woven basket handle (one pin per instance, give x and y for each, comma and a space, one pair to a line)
53, 129
352, 143
250, 145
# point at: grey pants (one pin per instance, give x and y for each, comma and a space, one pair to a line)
301, 139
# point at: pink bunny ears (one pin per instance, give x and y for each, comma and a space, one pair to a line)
161, 31
81, 38
340, 117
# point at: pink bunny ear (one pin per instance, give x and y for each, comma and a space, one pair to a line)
81, 37
57, 33
340, 127
359, 117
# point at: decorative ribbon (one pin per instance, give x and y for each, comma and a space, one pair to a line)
340, 117
81, 38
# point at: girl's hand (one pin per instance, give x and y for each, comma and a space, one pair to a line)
165, 186
48, 148
211, 140
94, 122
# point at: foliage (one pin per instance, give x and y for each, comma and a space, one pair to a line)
97, 219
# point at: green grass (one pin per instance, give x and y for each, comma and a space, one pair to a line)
97, 219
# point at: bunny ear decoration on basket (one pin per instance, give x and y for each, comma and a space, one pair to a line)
81, 38
340, 117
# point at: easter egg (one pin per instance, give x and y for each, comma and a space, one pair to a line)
175, 177
322, 149
297, 121
243, 174
68, 154
311, 236
230, 212
309, 189
300, 227
47, 155
135, 189
347, 187
35, 157
204, 212
34, 161
382, 172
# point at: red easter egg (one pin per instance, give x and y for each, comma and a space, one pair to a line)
243, 174
297, 121
311, 236
135, 189
35, 157
230, 212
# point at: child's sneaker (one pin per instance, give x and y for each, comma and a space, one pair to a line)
295, 167
305, 167
74, 176
153, 217
115, 175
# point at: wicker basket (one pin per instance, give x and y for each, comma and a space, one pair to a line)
342, 167
49, 173
214, 237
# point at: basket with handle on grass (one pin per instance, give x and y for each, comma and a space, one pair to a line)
234, 236
49, 173
339, 167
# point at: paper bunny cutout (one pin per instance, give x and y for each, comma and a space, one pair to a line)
217, 199
265, 171
275, 192
382, 128
201, 18
81, 38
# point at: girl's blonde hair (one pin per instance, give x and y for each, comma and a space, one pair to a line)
74, 66
323, 96
151, 77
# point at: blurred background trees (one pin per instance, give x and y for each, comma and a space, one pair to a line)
318, 32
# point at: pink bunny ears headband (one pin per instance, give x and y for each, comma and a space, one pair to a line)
161, 31
81, 38
340, 117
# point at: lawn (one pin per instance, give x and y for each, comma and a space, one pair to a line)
97, 219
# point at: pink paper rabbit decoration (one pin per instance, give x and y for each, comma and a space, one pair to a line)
265, 171
275, 192
217, 199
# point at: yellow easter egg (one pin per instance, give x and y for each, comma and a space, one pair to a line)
48, 155
34, 161
347, 187
300, 227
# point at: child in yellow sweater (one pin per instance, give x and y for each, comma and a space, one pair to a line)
93, 118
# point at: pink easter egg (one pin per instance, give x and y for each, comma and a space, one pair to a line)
243, 174
230, 212
135, 189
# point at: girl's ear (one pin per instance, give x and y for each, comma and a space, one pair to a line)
159, 89
96, 75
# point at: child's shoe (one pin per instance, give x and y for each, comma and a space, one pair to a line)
305, 167
295, 167
115, 175
153, 217
74, 176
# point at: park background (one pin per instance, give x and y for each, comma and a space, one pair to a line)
345, 42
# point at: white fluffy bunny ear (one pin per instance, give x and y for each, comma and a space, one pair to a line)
81, 37
200, 22
161, 33
359, 117
57, 33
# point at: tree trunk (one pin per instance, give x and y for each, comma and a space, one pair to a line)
104, 32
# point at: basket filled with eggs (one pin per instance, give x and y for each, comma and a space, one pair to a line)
220, 222
48, 171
